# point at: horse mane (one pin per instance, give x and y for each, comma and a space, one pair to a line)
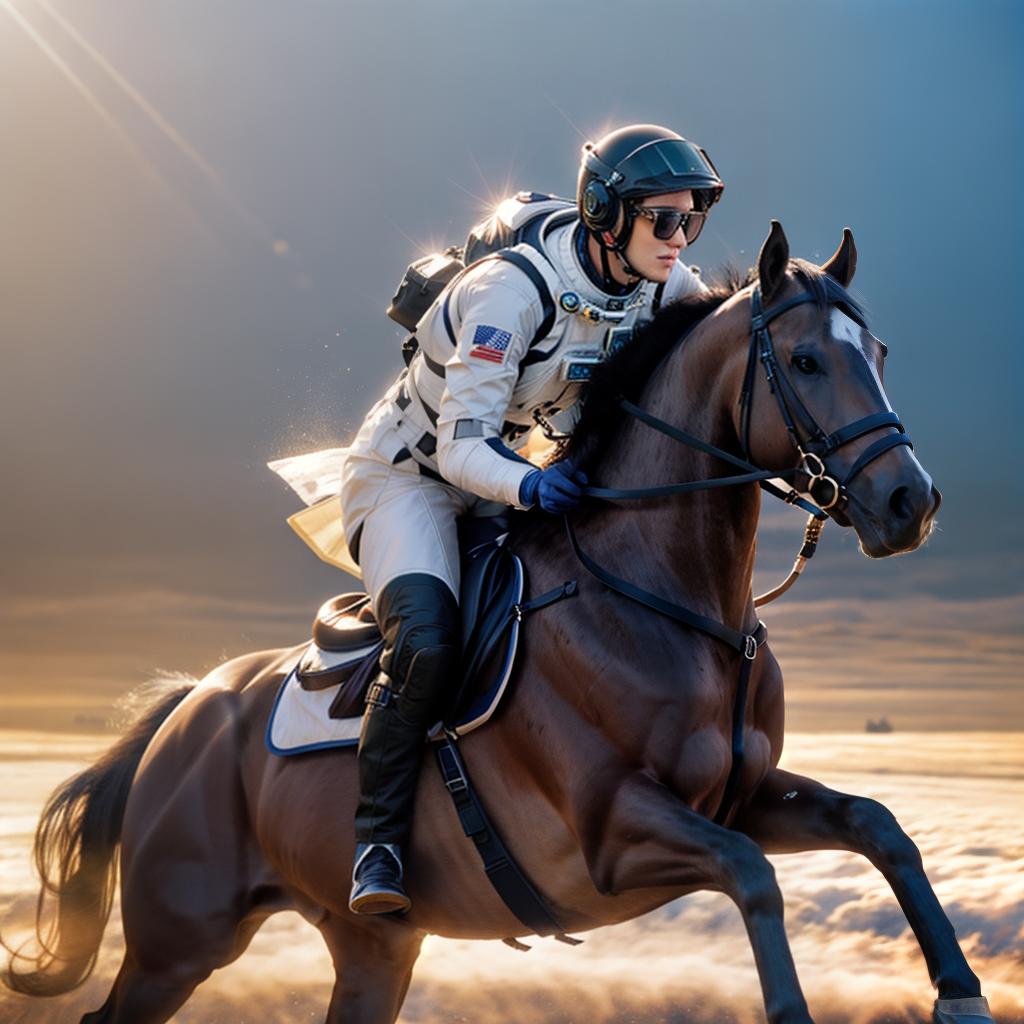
626, 373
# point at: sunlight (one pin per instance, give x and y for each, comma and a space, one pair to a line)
165, 127
83, 90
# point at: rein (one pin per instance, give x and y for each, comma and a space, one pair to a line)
813, 451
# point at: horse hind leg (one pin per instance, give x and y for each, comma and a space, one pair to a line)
152, 993
195, 885
373, 964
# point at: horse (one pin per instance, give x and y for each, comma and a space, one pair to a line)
611, 769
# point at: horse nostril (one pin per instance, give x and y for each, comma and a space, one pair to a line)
898, 503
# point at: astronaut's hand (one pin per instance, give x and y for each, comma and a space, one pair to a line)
557, 489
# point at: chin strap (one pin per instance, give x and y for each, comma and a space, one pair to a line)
620, 252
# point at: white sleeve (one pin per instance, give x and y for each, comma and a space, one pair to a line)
497, 310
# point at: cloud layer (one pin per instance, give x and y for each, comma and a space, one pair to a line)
957, 796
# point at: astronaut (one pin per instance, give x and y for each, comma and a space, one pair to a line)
508, 345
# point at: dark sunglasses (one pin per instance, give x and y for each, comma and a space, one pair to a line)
667, 221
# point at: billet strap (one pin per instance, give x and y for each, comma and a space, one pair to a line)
515, 889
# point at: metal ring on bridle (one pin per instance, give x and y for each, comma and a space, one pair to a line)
817, 476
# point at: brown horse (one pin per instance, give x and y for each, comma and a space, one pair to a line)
609, 762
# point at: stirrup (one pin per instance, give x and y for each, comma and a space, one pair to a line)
377, 880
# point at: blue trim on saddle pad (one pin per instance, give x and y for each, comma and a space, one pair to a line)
299, 722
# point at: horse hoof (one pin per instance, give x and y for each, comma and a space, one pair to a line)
963, 1011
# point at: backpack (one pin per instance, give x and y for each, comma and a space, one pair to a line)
521, 219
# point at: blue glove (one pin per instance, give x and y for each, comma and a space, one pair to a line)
557, 488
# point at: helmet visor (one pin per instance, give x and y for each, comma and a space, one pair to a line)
668, 165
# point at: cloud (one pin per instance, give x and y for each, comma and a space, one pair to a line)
690, 961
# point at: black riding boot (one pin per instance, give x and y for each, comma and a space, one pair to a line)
419, 619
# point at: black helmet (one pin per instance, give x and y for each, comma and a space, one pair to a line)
635, 161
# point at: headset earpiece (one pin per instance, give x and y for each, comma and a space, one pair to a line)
600, 206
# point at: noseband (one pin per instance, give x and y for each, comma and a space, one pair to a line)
810, 440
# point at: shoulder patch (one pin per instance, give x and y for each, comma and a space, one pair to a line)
490, 343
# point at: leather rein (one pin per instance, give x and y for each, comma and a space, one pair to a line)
814, 446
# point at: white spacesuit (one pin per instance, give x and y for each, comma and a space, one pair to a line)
507, 346
442, 440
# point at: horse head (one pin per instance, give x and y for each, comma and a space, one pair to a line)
812, 392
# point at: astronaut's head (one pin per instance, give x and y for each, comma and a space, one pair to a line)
643, 193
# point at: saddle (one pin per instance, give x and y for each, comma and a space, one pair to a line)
320, 702
347, 642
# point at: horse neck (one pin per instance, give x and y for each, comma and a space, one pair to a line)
697, 546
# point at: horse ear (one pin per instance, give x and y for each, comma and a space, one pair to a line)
843, 264
772, 263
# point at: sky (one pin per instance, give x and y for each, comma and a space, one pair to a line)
206, 208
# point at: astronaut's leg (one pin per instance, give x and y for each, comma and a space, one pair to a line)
409, 559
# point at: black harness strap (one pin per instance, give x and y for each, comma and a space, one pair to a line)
809, 439
746, 644
509, 882
514, 888
790, 497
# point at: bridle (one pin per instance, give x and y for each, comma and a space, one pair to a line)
809, 439
814, 446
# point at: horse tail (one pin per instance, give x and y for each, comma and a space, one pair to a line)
75, 854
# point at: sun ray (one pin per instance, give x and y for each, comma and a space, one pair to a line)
163, 124
485, 204
83, 90
572, 124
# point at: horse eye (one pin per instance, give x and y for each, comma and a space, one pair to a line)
806, 364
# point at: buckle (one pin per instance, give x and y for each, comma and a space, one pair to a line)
378, 695
750, 648
457, 783
454, 781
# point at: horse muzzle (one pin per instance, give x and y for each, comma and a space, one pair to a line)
892, 511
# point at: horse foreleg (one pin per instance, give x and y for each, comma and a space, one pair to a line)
373, 964
792, 814
647, 838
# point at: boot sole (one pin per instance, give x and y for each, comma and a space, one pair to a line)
380, 903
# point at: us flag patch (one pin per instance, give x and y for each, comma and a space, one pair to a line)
490, 343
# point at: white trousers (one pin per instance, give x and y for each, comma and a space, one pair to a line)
408, 521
